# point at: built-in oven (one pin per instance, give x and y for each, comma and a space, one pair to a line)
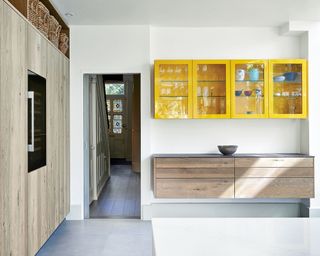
37, 135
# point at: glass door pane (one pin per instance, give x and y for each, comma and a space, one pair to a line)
172, 89
211, 89
249, 89
288, 88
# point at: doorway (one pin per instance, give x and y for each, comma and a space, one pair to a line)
119, 197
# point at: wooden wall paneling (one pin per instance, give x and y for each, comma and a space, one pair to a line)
52, 135
38, 211
13, 133
67, 130
62, 138
36, 52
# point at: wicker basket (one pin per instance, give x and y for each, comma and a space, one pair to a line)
32, 11
63, 43
54, 31
43, 19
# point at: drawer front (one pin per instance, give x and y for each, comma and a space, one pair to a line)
188, 173
274, 162
274, 172
195, 188
274, 188
176, 163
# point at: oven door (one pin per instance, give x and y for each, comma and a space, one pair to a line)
36, 122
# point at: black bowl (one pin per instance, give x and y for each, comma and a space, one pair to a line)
227, 149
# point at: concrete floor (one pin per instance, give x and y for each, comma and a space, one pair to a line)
93, 237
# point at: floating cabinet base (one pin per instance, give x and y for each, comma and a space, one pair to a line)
250, 176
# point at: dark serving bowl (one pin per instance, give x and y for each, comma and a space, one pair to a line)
227, 149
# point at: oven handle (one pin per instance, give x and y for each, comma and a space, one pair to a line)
31, 146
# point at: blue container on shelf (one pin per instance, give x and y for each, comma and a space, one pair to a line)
290, 76
254, 74
238, 92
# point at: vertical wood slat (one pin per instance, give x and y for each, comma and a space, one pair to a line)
13, 133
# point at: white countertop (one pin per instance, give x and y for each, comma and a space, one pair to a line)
236, 236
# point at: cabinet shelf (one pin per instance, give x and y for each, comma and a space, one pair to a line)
173, 96
249, 81
211, 96
288, 82
211, 81
252, 96
173, 81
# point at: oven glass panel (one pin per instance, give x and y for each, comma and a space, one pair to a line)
36, 122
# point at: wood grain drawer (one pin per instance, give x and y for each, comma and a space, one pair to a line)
289, 172
195, 188
274, 188
188, 173
274, 162
176, 163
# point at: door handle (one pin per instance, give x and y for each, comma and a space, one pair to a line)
31, 97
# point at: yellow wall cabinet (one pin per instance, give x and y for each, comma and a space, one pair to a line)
230, 89
173, 89
211, 89
288, 89
249, 89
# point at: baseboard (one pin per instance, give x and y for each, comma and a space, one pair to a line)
220, 210
314, 212
76, 212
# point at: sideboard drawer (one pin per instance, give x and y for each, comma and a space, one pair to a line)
284, 172
173, 163
195, 188
274, 188
188, 173
274, 162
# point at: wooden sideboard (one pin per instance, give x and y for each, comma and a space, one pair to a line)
239, 176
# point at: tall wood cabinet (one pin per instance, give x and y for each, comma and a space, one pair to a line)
32, 204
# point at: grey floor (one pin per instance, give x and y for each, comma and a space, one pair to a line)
110, 237
120, 197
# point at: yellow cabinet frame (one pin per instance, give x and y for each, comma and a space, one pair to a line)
304, 85
157, 84
195, 86
233, 87
230, 89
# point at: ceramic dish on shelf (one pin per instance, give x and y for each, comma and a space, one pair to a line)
248, 93
227, 150
290, 76
279, 78
238, 92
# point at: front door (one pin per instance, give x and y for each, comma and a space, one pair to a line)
117, 106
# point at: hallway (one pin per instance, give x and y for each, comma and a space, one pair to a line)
120, 197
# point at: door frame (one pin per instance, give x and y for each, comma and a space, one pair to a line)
86, 136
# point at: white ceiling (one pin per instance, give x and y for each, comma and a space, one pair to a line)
188, 12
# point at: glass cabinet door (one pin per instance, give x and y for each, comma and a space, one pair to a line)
288, 89
173, 89
211, 89
249, 93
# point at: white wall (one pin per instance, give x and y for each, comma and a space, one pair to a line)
219, 43
132, 49
103, 50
